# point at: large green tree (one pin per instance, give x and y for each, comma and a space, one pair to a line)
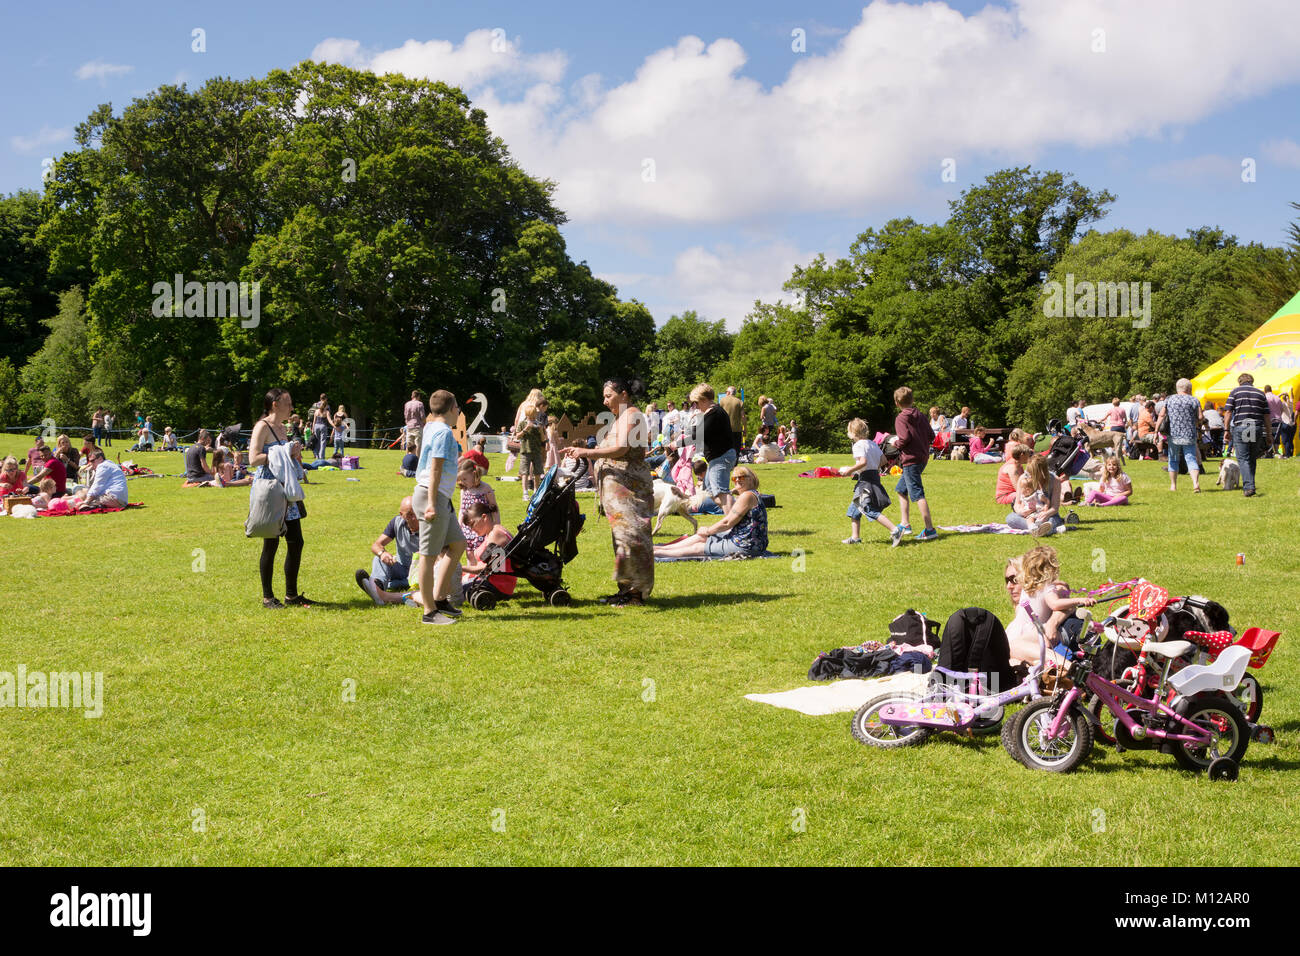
684, 353
54, 378
1096, 356
28, 289
570, 377
394, 240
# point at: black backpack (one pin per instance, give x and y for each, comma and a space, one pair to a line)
912, 627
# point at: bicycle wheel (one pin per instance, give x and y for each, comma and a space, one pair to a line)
1009, 731
1250, 694
869, 729
1060, 755
990, 723
1229, 733
1103, 731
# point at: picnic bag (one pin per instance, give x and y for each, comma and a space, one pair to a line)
267, 506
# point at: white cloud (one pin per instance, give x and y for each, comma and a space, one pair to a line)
1284, 152
483, 56
46, 136
720, 282
872, 118
99, 70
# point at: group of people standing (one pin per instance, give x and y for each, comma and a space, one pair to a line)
1252, 424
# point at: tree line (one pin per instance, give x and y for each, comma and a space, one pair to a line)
396, 244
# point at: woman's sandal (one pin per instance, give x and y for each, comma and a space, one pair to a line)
630, 599
271, 603
298, 601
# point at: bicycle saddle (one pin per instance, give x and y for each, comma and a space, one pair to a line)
1224, 674
1169, 648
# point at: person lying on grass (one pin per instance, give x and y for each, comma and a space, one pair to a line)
742, 532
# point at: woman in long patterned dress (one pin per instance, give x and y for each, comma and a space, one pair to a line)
626, 493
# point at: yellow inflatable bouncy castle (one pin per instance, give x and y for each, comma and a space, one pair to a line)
1271, 354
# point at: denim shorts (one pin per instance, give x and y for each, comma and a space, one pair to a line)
721, 546
854, 512
909, 485
1188, 451
717, 480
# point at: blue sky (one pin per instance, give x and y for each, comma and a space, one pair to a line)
762, 154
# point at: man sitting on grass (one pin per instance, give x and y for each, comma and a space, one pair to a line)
389, 572
480, 517
107, 483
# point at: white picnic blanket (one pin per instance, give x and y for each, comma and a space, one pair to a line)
841, 696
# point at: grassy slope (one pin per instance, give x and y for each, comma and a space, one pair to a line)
214, 703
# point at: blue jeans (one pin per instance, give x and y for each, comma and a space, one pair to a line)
909, 485
717, 480
710, 507
389, 577
1248, 441
1188, 451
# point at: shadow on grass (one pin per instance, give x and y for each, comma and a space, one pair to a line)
593, 609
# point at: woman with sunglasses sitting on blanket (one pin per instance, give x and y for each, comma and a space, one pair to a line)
743, 532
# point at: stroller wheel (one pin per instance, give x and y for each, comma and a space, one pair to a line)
559, 598
482, 600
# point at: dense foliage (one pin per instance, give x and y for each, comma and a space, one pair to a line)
394, 240
397, 245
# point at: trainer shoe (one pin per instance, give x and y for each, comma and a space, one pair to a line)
905, 528
929, 534
1042, 530
851, 541
896, 537
367, 585
436, 617
445, 606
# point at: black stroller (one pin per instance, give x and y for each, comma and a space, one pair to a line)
1069, 451
552, 522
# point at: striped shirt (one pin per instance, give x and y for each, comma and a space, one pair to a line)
1247, 403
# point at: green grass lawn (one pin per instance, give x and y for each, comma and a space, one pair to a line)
587, 735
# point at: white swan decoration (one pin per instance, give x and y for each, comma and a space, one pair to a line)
481, 399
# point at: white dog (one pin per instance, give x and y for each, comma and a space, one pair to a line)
1229, 475
958, 453
671, 500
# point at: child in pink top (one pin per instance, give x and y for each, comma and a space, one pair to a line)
1116, 487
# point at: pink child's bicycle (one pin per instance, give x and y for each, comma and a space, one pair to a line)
1197, 722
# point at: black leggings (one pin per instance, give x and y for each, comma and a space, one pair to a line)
292, 559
